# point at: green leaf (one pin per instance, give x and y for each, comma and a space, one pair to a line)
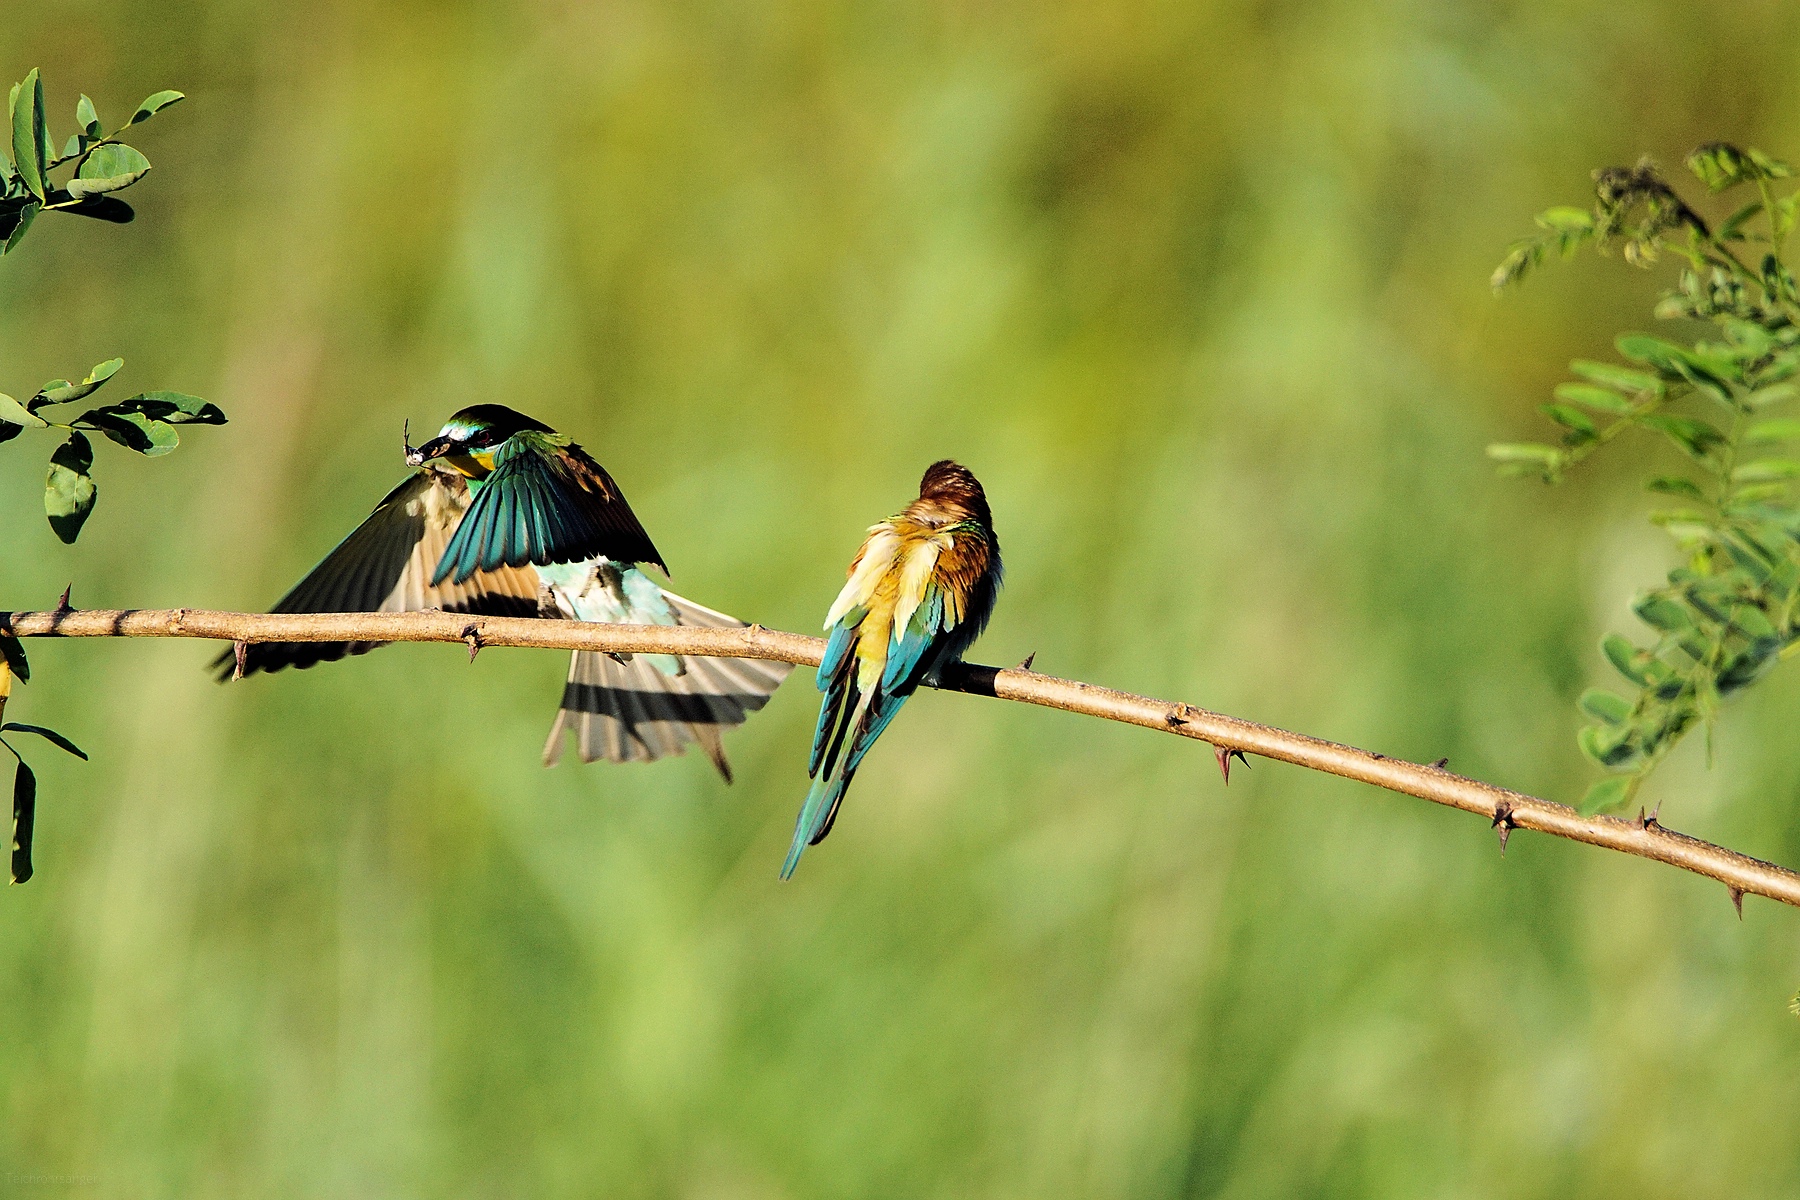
1605, 706
1748, 340
1747, 666
69, 491
1566, 220
1718, 165
1778, 429
1532, 452
27, 215
1674, 362
72, 147
1622, 655
1752, 622
1518, 263
1674, 485
133, 430
50, 735
1607, 794
1752, 560
46, 140
1608, 745
1622, 379
1773, 394
15, 413
1572, 419
24, 817
1768, 167
1598, 398
1732, 228
61, 391
1697, 438
1766, 470
28, 133
86, 117
177, 408
1660, 612
109, 168
1639, 666
1745, 498
1665, 357
153, 105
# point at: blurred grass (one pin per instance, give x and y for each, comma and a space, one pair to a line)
1200, 293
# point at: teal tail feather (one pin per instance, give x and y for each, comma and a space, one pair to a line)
815, 818
833, 765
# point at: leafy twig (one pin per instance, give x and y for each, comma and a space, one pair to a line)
1728, 614
102, 164
145, 423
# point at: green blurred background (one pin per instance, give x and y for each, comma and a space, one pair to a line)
1199, 290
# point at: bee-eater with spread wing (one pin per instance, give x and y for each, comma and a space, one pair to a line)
504, 516
920, 590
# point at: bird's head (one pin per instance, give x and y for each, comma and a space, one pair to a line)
469, 440
954, 486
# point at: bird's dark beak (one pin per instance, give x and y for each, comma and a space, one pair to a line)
437, 447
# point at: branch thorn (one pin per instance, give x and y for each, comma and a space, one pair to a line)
1737, 901
1504, 824
1225, 754
1441, 763
472, 635
1647, 820
1029, 659
1176, 717
239, 651
62, 603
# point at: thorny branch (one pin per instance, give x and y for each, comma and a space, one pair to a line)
1505, 810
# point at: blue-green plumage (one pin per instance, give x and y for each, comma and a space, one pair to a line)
505, 516
540, 500
919, 593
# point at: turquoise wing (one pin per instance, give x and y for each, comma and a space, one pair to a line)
836, 678
544, 503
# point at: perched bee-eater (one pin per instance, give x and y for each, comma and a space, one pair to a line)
506, 517
920, 590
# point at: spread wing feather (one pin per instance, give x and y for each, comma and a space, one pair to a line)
545, 503
386, 565
632, 712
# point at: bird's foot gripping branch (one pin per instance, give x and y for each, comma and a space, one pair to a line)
1505, 810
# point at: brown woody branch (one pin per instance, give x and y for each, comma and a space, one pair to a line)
1506, 810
